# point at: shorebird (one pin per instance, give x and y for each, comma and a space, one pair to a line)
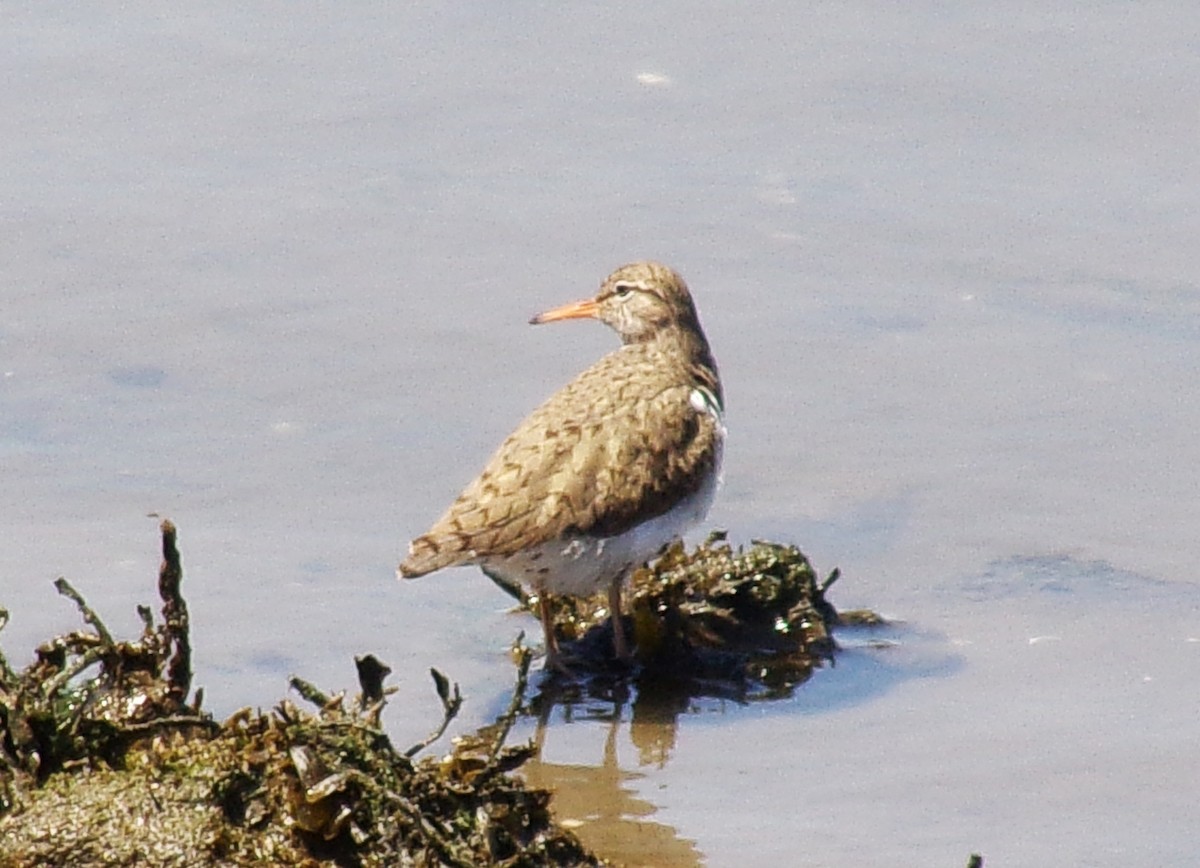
609, 470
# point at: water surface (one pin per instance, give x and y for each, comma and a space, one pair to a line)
267, 272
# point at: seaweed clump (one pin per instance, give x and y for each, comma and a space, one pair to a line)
104, 760
745, 623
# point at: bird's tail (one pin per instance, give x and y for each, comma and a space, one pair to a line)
426, 554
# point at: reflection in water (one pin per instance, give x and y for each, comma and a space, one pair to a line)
713, 625
598, 801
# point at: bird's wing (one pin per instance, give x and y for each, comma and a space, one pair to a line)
608, 451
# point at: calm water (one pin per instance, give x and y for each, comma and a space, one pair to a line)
267, 270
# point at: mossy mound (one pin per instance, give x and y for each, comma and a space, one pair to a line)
107, 758
287, 788
744, 623
103, 761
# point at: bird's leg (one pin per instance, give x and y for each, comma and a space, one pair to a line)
553, 656
620, 645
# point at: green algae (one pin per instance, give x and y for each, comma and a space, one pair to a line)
748, 623
107, 758
105, 761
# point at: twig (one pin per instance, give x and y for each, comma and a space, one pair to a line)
6, 673
506, 720
64, 587
373, 713
88, 658
147, 618
176, 720
356, 724
175, 616
309, 691
444, 847
451, 703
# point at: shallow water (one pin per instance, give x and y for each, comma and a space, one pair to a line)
267, 273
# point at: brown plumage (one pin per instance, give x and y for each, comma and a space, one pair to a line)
627, 452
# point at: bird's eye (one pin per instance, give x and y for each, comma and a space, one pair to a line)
623, 290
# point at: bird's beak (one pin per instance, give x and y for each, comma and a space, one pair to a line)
588, 309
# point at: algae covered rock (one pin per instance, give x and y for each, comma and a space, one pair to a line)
744, 623
105, 761
107, 758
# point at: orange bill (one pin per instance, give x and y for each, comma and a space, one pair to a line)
575, 310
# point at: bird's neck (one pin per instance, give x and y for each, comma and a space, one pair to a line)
687, 348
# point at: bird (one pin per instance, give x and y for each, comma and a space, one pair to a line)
608, 471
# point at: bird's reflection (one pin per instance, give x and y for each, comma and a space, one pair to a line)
599, 801
686, 665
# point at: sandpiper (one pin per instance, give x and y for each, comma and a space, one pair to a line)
609, 470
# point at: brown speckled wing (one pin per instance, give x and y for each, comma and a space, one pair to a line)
620, 444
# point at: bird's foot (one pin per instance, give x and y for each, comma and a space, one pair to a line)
556, 663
